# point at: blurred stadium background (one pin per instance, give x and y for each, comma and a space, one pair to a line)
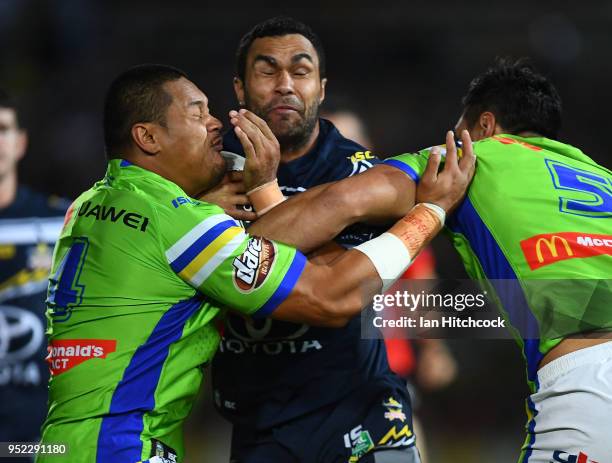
402, 66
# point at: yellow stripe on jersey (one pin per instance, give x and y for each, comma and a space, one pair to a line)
209, 252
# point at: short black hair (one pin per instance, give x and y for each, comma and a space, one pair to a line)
8, 102
277, 27
136, 95
521, 98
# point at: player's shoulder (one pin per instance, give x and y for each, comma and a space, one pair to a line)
176, 210
178, 213
133, 184
509, 142
343, 157
135, 192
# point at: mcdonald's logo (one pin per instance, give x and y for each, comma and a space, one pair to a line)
551, 245
549, 248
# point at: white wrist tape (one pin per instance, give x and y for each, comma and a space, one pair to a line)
388, 255
436, 210
233, 161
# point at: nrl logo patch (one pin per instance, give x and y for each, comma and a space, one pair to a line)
252, 267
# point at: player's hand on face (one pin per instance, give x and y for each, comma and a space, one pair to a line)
230, 195
448, 187
261, 148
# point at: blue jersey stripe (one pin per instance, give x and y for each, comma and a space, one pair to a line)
125, 163
408, 170
203, 241
285, 287
119, 437
465, 220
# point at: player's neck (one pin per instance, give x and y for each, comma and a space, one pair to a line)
528, 134
8, 189
291, 154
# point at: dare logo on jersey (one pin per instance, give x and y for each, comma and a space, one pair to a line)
65, 354
252, 267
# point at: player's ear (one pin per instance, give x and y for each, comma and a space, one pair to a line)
239, 90
486, 125
323, 84
146, 136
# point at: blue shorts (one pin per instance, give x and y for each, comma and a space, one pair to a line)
373, 424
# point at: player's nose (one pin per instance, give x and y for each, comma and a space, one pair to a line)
284, 83
214, 124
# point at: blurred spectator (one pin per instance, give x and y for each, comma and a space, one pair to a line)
29, 225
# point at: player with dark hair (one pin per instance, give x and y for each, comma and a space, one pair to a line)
537, 225
142, 271
522, 99
304, 374
30, 223
278, 27
137, 96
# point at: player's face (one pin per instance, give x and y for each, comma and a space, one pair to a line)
283, 86
191, 142
12, 142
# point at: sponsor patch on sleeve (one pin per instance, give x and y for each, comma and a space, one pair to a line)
252, 267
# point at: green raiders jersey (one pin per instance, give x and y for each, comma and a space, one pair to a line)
537, 224
140, 276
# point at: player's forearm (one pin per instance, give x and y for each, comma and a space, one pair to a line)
313, 218
287, 221
331, 294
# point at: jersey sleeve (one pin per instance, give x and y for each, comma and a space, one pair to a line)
215, 255
356, 163
412, 164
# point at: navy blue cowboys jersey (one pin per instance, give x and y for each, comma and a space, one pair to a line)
268, 372
29, 228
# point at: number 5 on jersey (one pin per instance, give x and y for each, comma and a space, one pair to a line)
594, 198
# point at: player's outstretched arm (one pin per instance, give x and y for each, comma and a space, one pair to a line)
332, 293
379, 195
255, 276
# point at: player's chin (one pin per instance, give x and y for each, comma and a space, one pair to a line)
286, 126
215, 162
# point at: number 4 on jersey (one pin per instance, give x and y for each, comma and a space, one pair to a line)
65, 292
